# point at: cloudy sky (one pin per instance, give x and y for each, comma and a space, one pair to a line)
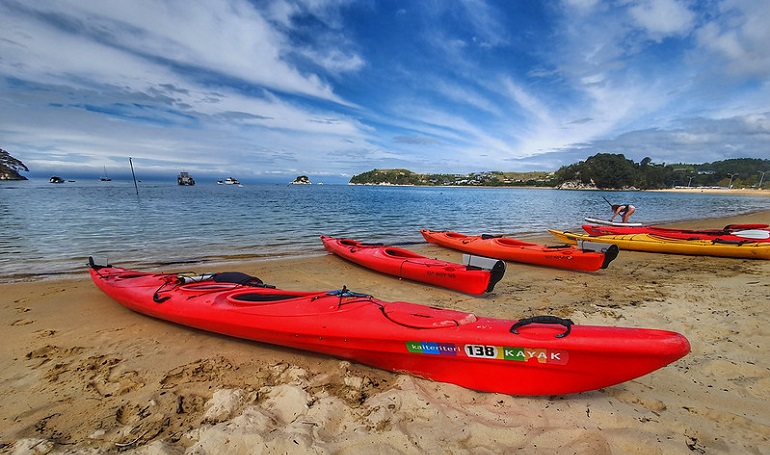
268, 90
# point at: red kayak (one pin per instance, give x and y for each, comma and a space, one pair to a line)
730, 233
407, 264
538, 356
507, 249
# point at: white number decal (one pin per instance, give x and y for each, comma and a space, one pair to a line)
478, 350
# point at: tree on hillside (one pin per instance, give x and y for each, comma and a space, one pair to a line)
605, 170
652, 176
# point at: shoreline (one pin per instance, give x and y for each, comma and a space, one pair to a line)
82, 373
544, 237
705, 190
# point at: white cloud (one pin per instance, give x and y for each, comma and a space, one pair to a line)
663, 18
739, 38
129, 43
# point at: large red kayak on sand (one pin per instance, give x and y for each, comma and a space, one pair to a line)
536, 356
730, 233
508, 249
403, 263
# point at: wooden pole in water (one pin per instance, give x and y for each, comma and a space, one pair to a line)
131, 162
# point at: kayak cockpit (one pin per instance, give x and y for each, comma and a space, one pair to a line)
424, 317
253, 297
401, 253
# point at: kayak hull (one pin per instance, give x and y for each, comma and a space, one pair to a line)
658, 244
508, 249
439, 344
406, 264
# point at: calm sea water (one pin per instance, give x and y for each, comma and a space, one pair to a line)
50, 230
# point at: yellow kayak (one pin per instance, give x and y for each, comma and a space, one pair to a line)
658, 244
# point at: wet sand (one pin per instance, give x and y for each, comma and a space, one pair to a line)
83, 374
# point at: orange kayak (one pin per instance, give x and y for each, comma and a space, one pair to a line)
407, 264
537, 356
508, 249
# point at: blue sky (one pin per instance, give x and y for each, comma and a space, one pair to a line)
268, 90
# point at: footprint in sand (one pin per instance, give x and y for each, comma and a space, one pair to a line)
20, 322
108, 376
52, 352
199, 371
630, 397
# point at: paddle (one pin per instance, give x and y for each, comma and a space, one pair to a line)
758, 234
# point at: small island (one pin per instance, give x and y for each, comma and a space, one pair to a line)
301, 180
405, 177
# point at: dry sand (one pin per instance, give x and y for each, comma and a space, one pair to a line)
713, 190
81, 374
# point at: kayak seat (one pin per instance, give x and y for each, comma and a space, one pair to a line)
237, 278
730, 242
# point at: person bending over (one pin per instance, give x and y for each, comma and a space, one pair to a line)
624, 210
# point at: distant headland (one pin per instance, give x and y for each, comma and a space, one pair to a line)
603, 171
10, 167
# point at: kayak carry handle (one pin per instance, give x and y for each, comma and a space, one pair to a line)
544, 320
158, 299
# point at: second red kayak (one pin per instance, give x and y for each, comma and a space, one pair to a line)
507, 249
407, 264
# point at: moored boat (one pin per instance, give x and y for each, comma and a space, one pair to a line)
407, 264
185, 179
104, 177
653, 243
535, 356
508, 249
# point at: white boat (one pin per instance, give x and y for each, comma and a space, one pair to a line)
185, 179
232, 181
104, 178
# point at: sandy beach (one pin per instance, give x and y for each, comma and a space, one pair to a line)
712, 190
81, 374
